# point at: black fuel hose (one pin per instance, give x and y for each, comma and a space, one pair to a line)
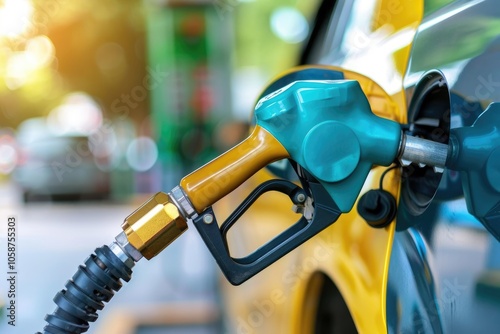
85, 294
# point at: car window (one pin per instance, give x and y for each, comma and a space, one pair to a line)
329, 46
322, 19
430, 6
351, 24
357, 25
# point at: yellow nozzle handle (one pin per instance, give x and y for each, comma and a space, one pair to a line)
219, 177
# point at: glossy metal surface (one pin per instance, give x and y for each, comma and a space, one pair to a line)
423, 151
154, 225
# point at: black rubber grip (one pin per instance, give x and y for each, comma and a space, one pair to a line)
85, 294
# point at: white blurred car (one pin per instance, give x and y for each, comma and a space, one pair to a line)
57, 166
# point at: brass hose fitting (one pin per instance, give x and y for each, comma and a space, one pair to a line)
154, 225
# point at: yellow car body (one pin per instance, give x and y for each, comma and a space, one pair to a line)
355, 257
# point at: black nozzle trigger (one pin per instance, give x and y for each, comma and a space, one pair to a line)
238, 270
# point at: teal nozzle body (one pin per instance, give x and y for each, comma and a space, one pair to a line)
328, 128
475, 152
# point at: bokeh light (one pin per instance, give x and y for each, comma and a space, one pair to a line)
21, 66
111, 61
8, 158
39, 51
79, 114
289, 24
8, 151
15, 17
142, 154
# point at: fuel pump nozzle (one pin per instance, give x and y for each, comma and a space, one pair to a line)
332, 139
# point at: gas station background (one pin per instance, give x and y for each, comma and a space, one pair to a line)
103, 103
168, 84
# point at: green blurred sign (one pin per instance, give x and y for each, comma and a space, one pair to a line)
192, 44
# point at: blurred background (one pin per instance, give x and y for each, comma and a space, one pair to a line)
103, 103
